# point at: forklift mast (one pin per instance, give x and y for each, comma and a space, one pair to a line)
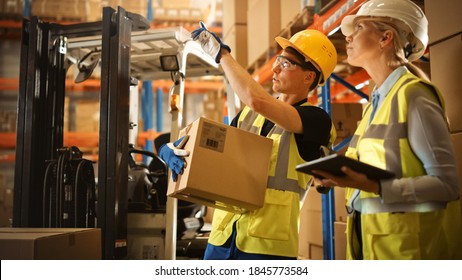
128, 51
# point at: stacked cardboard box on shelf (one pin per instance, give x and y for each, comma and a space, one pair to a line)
50, 243
213, 106
235, 29
94, 8
91, 10
345, 117
87, 116
6, 202
71, 10
264, 23
311, 233
268, 19
445, 44
7, 121
11, 9
445, 41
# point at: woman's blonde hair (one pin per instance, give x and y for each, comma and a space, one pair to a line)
400, 42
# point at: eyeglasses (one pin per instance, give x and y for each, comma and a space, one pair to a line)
285, 63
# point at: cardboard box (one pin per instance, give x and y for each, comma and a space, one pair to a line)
236, 38
340, 240
340, 202
345, 117
311, 228
446, 67
50, 243
444, 20
235, 14
87, 116
457, 142
227, 167
289, 10
145, 236
6, 215
310, 232
263, 25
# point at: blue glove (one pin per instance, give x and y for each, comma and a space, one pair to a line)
174, 157
209, 41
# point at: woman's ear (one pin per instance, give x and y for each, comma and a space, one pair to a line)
387, 38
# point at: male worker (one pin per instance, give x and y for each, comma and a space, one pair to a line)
297, 130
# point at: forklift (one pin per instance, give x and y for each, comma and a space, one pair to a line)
123, 198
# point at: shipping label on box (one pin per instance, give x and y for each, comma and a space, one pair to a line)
340, 240
227, 167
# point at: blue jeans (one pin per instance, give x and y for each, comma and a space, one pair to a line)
229, 251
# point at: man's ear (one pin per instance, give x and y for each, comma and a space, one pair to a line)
309, 77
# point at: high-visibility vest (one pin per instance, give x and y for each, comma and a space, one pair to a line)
399, 230
273, 229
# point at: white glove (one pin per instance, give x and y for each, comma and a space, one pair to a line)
209, 41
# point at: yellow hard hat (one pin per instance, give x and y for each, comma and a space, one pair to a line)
316, 48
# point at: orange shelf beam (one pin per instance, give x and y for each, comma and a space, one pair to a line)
7, 140
13, 24
332, 18
265, 73
188, 26
92, 85
190, 86
83, 140
11, 84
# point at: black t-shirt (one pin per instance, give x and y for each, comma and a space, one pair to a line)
316, 130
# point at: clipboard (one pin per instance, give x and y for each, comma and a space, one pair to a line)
332, 164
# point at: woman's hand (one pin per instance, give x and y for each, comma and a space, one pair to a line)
352, 179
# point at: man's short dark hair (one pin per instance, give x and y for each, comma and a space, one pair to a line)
306, 65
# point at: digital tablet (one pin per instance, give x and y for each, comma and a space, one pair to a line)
333, 163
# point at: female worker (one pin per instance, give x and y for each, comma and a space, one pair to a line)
415, 215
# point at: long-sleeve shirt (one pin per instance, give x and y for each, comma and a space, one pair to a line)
430, 140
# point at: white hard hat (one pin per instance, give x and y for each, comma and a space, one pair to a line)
404, 11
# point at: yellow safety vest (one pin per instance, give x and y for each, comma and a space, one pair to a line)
399, 230
273, 229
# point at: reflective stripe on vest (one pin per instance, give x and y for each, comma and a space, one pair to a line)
280, 181
374, 205
393, 133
